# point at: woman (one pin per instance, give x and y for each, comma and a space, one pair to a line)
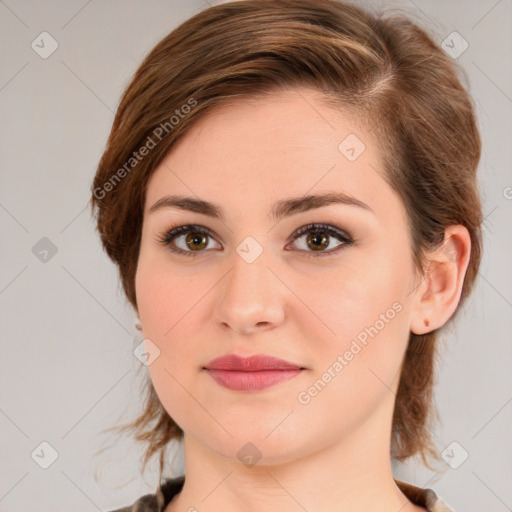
289, 191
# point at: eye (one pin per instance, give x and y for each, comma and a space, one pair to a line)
188, 240
192, 239
319, 238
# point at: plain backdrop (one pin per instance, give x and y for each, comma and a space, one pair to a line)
67, 333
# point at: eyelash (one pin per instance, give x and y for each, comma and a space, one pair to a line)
173, 232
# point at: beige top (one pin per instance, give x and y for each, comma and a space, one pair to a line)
157, 502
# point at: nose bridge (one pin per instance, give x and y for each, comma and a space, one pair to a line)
249, 298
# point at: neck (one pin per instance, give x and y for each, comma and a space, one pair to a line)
352, 475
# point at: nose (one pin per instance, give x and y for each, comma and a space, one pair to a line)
249, 298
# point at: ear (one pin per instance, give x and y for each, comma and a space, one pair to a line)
438, 294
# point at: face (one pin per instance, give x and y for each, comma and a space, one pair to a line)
334, 298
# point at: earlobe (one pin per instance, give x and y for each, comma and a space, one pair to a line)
438, 295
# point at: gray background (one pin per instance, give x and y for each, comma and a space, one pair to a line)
67, 368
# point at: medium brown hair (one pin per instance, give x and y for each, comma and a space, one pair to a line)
383, 68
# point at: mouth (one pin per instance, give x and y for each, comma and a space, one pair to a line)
254, 363
253, 373
252, 380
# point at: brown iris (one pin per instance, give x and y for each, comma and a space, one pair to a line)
316, 241
319, 241
196, 241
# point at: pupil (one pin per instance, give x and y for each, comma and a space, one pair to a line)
196, 241
319, 241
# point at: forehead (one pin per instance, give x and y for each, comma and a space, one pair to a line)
255, 151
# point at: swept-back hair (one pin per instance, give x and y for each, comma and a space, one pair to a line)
385, 69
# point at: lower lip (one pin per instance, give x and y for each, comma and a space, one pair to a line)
251, 381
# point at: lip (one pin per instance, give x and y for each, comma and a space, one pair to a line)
254, 363
252, 373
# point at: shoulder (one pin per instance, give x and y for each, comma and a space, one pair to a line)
157, 501
424, 497
146, 503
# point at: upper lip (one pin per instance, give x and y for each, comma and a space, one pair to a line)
250, 364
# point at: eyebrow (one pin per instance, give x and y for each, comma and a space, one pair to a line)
282, 208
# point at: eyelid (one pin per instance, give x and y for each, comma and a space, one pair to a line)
323, 227
332, 231
173, 232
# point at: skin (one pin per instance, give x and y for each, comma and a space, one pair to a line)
333, 452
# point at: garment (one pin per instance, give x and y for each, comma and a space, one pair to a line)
157, 502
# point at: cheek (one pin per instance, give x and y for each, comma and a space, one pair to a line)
164, 296
365, 304
356, 368
368, 287
173, 311
168, 309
